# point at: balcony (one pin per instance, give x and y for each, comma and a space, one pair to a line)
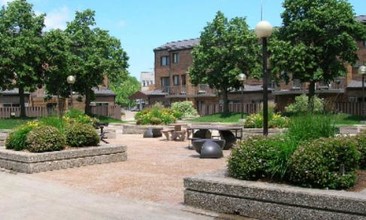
185, 91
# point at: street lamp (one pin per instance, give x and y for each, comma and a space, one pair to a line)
362, 71
242, 77
263, 30
71, 80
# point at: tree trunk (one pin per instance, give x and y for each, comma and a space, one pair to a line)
226, 101
87, 108
22, 102
311, 96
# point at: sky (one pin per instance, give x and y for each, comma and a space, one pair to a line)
142, 25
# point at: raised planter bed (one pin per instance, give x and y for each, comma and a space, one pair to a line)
25, 162
261, 200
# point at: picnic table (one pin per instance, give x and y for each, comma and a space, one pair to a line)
229, 133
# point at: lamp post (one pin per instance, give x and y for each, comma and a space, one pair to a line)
362, 71
242, 77
71, 81
263, 30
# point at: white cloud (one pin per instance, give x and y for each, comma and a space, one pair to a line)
57, 19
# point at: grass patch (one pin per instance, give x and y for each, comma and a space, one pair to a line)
345, 119
108, 120
10, 123
225, 118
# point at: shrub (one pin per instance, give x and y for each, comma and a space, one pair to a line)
260, 157
185, 109
77, 116
274, 120
16, 140
301, 105
155, 115
80, 135
45, 138
310, 127
361, 147
325, 163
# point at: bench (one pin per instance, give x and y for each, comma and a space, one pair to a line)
167, 133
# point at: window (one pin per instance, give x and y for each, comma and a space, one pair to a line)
164, 61
143, 83
176, 80
175, 58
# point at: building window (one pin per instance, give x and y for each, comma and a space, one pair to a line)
176, 80
175, 57
164, 61
143, 83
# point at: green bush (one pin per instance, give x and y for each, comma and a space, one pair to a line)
80, 135
54, 121
310, 127
45, 138
301, 105
325, 163
361, 147
16, 140
77, 116
156, 115
260, 157
274, 120
185, 109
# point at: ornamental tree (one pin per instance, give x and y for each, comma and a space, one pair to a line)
316, 41
226, 48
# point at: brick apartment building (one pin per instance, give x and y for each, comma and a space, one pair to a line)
172, 82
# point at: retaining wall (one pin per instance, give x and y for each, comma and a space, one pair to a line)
261, 200
26, 162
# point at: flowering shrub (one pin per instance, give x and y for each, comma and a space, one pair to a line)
45, 138
185, 109
81, 135
361, 147
77, 116
156, 115
301, 105
16, 140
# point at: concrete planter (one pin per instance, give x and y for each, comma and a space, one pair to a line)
261, 200
26, 162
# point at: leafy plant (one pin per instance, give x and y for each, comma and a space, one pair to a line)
261, 157
325, 163
77, 116
185, 109
156, 115
361, 147
301, 105
80, 135
275, 120
45, 138
310, 127
16, 140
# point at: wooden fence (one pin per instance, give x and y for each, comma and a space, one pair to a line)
352, 108
37, 112
248, 108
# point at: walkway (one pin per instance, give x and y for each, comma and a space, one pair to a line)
149, 185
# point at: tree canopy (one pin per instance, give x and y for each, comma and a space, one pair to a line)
316, 41
124, 89
96, 55
21, 48
226, 49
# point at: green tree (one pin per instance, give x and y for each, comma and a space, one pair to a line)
124, 89
21, 48
316, 41
58, 60
96, 55
226, 49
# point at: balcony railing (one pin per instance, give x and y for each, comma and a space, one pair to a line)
200, 90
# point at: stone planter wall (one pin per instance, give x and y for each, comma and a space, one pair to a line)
261, 200
26, 162
138, 129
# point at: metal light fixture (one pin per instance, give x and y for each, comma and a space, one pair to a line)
71, 80
362, 71
263, 30
241, 78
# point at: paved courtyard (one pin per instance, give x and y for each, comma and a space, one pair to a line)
151, 180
